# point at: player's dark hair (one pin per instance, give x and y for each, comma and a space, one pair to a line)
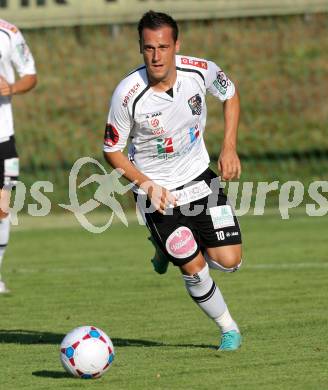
155, 20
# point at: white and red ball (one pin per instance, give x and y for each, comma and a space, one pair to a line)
87, 352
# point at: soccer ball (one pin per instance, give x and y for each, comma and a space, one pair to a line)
86, 352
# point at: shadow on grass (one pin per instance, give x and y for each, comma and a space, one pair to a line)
146, 343
52, 374
20, 336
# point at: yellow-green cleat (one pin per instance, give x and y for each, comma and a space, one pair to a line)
230, 341
160, 261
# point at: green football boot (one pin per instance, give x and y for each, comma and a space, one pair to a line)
230, 341
160, 261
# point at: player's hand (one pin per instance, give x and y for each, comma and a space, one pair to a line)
229, 164
160, 198
5, 87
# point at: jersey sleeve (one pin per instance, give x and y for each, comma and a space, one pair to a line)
118, 125
217, 83
21, 55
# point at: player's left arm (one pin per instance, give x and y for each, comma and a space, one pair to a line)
228, 162
221, 87
22, 85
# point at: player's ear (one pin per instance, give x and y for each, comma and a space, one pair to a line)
140, 46
177, 46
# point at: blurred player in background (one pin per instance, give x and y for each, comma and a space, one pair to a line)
14, 55
161, 107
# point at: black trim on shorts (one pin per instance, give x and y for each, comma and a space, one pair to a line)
8, 149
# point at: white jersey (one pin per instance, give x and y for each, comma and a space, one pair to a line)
166, 129
14, 55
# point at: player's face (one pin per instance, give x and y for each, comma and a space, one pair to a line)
159, 49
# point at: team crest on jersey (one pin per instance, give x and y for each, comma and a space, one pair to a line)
111, 135
221, 83
195, 104
165, 145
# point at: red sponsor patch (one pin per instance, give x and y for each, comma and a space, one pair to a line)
197, 63
8, 26
111, 135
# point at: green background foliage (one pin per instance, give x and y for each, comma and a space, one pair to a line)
278, 63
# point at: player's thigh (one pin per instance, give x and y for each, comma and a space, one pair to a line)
174, 235
217, 225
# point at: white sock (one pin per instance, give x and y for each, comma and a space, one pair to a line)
204, 291
226, 323
4, 237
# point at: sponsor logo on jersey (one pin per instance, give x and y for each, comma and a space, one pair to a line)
153, 114
221, 83
165, 145
197, 63
111, 135
154, 122
195, 104
8, 26
129, 95
156, 126
194, 133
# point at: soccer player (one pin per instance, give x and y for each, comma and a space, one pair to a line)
161, 107
14, 55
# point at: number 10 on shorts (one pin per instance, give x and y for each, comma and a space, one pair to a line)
220, 235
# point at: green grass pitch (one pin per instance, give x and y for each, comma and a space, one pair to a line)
62, 277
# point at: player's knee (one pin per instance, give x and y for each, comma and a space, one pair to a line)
227, 263
230, 261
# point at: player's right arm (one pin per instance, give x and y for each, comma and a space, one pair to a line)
22, 85
160, 197
23, 61
119, 125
